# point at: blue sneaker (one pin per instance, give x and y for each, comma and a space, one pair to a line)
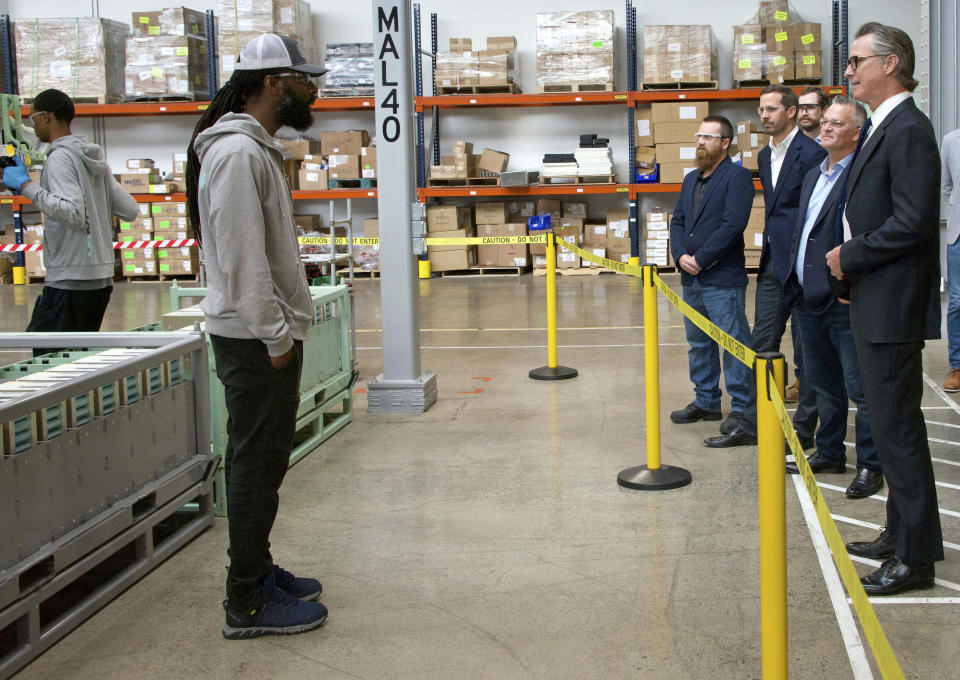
279, 613
302, 588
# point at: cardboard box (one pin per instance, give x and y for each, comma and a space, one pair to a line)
749, 159
493, 161
677, 153
595, 234
673, 173
506, 42
565, 227
575, 209
679, 112
344, 166
146, 23
371, 228
178, 266
179, 164
646, 157
349, 142
368, 162
447, 218
643, 121
34, 265
751, 258
490, 213
779, 67
138, 183
618, 228
599, 251
806, 37
298, 148
178, 21
504, 255
141, 164
779, 40
675, 133
549, 206
520, 211
163, 226
566, 259
139, 268
774, 12
169, 209
457, 233
808, 65
453, 260
312, 180
461, 45
141, 225
181, 253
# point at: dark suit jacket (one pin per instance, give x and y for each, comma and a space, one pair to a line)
893, 207
817, 294
782, 203
714, 236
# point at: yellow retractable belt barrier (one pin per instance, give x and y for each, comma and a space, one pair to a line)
430, 241
552, 371
773, 424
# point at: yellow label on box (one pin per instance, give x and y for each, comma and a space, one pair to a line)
143, 20
743, 63
183, 51
196, 79
780, 37
746, 39
807, 39
779, 61
780, 15
156, 72
154, 30
158, 188
194, 28
809, 59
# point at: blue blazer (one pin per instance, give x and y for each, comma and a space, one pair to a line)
817, 294
714, 236
783, 203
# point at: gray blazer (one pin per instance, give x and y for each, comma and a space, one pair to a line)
950, 179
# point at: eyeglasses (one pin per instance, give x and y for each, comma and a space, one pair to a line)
768, 109
707, 136
809, 107
32, 117
826, 122
854, 61
301, 78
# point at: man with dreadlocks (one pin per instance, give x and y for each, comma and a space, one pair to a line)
258, 309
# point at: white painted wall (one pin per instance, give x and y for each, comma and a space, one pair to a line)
524, 133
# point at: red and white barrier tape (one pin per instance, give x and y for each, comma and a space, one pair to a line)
139, 245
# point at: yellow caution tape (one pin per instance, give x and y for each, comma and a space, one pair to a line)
621, 267
430, 241
882, 652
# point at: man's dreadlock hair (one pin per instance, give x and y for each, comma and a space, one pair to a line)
231, 98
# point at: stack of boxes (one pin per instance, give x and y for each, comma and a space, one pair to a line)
240, 21
618, 234
776, 48
646, 156
310, 165
495, 220
461, 165
32, 234
137, 261
750, 140
575, 51
675, 125
462, 68
753, 234
679, 54
142, 176
449, 221
349, 70
167, 54
343, 151
82, 56
170, 222
656, 238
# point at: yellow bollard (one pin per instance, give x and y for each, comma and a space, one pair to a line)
652, 476
423, 267
552, 371
20, 275
769, 371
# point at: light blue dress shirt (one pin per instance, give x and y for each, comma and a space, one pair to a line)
820, 192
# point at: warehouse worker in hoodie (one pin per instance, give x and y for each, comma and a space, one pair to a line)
77, 195
258, 310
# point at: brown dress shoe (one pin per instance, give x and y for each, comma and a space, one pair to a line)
952, 383
792, 394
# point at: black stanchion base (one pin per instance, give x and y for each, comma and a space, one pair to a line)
645, 479
557, 373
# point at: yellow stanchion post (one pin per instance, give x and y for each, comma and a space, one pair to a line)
769, 372
424, 269
652, 476
552, 371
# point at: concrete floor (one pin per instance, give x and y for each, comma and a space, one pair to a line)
487, 538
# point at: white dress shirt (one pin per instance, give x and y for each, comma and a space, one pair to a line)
777, 153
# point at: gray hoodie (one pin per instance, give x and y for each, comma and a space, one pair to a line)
77, 194
257, 287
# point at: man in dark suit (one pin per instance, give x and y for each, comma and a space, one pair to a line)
706, 239
831, 365
783, 165
890, 256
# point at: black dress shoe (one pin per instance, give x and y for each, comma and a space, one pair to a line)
731, 423
693, 413
894, 577
806, 442
818, 463
881, 547
735, 438
866, 483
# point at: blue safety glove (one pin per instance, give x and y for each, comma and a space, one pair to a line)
16, 176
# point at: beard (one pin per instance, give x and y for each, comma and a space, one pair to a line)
809, 124
706, 159
294, 112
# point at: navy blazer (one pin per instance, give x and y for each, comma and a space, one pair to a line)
782, 204
893, 207
714, 236
817, 294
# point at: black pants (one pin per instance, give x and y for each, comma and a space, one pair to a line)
262, 407
68, 311
892, 376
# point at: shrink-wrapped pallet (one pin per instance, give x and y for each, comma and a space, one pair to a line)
82, 56
575, 49
776, 46
679, 54
240, 21
166, 65
349, 70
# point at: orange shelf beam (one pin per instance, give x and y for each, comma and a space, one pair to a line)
743, 94
532, 190
178, 197
135, 109
475, 101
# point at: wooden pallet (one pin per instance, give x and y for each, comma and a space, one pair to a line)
560, 88
463, 182
574, 271
509, 88
182, 97
366, 183
682, 85
487, 271
333, 92
578, 179
366, 273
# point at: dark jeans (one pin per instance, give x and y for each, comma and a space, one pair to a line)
68, 311
262, 407
892, 377
725, 307
769, 325
833, 370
